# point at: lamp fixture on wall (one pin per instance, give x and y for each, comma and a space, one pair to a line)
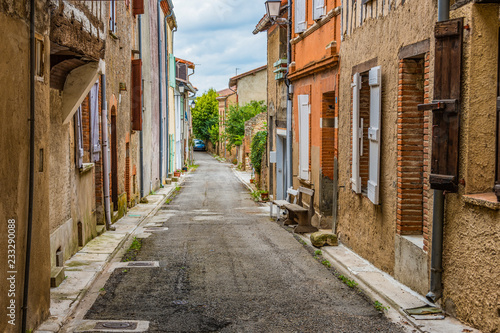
273, 8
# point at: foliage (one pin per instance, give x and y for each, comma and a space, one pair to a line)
257, 149
235, 122
379, 306
350, 283
318, 252
205, 116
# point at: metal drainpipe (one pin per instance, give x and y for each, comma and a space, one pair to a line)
167, 112
105, 157
141, 137
31, 170
160, 92
289, 165
436, 291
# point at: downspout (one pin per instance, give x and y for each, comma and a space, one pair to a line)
31, 169
141, 137
289, 165
436, 291
105, 157
167, 112
160, 91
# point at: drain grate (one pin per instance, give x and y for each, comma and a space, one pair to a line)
115, 325
141, 264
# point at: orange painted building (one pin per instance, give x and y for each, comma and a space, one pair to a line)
314, 74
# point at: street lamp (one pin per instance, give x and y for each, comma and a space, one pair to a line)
273, 9
181, 88
193, 104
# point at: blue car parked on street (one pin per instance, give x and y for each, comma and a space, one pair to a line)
199, 145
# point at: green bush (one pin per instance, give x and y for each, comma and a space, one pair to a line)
257, 149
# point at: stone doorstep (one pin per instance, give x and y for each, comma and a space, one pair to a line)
56, 276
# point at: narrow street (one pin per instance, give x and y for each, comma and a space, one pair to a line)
225, 267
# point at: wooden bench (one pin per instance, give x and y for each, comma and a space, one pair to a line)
281, 203
304, 214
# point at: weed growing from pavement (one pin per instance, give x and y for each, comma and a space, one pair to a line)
326, 263
193, 167
318, 252
133, 250
379, 306
350, 283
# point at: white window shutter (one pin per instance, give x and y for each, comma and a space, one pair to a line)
94, 121
375, 81
318, 9
78, 138
303, 136
300, 16
357, 134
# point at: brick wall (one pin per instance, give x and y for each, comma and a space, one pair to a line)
427, 156
410, 147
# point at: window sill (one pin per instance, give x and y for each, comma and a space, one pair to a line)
113, 35
86, 167
417, 240
488, 200
304, 181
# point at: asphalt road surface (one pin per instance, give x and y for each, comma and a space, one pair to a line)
226, 267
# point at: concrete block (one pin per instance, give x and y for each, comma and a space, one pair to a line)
175, 179
168, 181
56, 276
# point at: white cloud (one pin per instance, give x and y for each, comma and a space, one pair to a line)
217, 36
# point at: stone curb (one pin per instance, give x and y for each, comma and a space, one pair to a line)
49, 325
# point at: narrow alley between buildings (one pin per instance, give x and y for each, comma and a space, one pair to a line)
219, 264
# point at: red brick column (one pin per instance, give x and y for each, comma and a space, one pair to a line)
410, 147
427, 156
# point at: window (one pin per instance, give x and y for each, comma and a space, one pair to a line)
95, 144
136, 95
300, 16
112, 16
39, 55
366, 114
304, 111
78, 138
318, 9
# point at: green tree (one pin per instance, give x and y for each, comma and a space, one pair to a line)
257, 149
205, 116
235, 122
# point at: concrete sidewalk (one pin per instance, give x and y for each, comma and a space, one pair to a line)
380, 286
85, 266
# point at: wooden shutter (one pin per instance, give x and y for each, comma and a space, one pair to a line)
357, 133
300, 16
172, 70
375, 81
137, 7
78, 138
137, 95
446, 118
95, 144
318, 9
497, 182
303, 101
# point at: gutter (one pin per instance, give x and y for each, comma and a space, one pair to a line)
167, 114
141, 137
289, 105
31, 169
160, 94
436, 288
105, 157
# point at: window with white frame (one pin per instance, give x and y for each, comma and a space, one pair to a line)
300, 16
318, 9
112, 16
304, 111
366, 115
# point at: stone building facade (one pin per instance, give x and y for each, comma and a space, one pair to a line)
391, 130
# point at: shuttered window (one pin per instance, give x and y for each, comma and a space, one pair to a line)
300, 16
318, 9
95, 144
137, 7
369, 179
112, 16
357, 134
304, 108
137, 95
172, 70
78, 138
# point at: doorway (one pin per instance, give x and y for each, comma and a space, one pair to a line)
114, 161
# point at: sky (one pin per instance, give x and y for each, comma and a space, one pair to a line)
217, 36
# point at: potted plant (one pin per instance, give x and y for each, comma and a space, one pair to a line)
264, 195
251, 180
177, 173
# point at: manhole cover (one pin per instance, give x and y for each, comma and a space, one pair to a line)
140, 264
116, 325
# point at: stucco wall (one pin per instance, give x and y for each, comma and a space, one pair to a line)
369, 229
252, 87
14, 168
471, 263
